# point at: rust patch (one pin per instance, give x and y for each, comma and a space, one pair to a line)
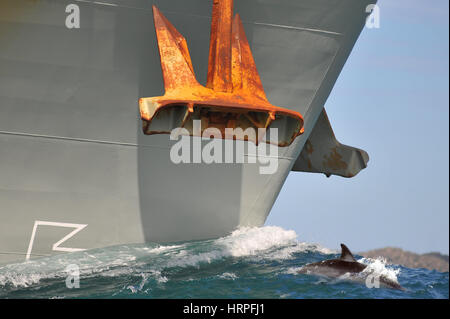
233, 96
334, 160
309, 150
309, 147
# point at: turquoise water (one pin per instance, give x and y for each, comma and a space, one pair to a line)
250, 263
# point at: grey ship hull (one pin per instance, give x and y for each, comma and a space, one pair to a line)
76, 171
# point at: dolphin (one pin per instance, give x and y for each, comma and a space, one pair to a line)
346, 264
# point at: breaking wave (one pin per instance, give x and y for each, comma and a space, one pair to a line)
250, 262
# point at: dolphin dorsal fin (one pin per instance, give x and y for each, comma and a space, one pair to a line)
346, 254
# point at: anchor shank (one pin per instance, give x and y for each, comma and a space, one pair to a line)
219, 63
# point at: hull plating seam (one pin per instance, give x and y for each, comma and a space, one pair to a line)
208, 17
116, 143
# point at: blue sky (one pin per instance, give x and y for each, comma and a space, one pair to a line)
392, 100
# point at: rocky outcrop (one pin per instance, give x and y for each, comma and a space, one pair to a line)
408, 259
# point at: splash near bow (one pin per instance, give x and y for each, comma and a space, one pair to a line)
233, 97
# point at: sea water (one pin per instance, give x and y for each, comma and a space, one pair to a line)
250, 263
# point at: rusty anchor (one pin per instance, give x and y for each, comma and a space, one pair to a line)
233, 96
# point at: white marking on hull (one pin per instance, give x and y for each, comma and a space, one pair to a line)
56, 247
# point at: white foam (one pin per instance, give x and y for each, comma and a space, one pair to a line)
250, 241
17, 279
293, 270
240, 243
228, 276
160, 249
155, 274
184, 259
269, 242
33, 272
379, 267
